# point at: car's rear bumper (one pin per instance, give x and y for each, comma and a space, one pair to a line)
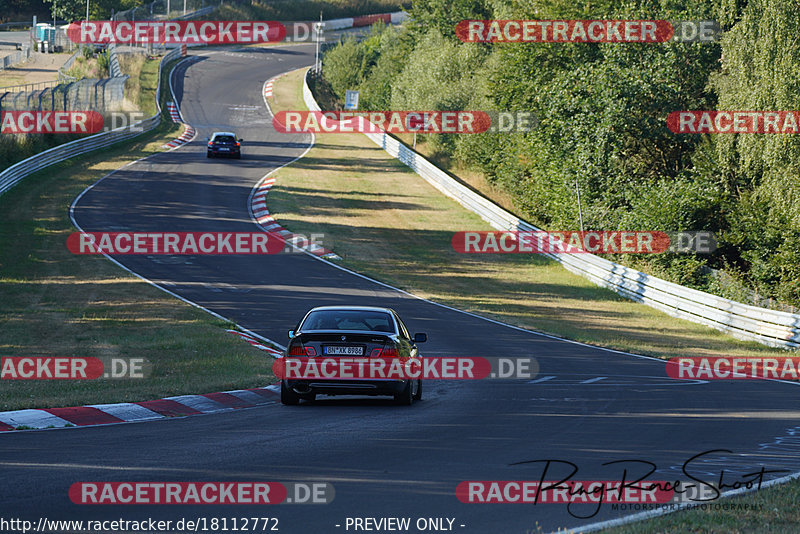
346, 387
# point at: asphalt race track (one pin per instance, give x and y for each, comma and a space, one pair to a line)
383, 460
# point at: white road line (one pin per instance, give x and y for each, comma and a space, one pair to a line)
543, 379
593, 380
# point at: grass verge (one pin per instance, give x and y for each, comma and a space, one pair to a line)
771, 510
7, 79
59, 304
388, 223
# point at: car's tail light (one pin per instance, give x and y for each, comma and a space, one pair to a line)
384, 353
210, 144
237, 144
299, 350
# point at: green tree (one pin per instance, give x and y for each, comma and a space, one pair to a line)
67, 9
443, 15
602, 112
440, 75
761, 59
347, 64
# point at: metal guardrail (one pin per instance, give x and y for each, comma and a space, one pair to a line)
14, 174
27, 24
17, 57
397, 17
6, 25
769, 327
200, 12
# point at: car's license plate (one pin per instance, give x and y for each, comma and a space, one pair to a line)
344, 351
224, 149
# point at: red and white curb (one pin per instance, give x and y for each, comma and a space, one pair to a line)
256, 343
398, 17
188, 133
268, 86
173, 112
258, 199
260, 213
126, 412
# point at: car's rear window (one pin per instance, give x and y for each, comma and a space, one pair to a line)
348, 320
224, 139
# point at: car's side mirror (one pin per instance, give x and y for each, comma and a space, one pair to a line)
241, 140
291, 334
208, 139
420, 337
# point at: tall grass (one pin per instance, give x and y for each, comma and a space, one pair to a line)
91, 67
132, 65
14, 148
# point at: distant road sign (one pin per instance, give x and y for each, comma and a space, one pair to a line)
351, 100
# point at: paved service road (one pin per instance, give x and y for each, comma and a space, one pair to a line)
587, 406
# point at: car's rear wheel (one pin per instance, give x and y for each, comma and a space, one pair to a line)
288, 397
418, 394
405, 397
238, 156
208, 154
